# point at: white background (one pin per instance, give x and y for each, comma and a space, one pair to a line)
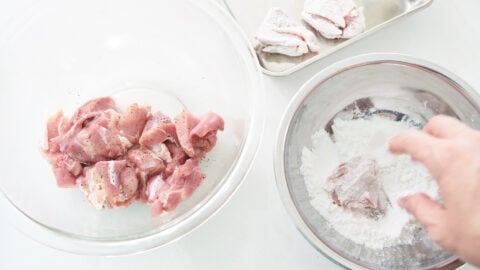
253, 231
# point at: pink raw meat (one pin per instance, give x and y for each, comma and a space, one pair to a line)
94, 105
184, 123
146, 164
178, 157
110, 184
132, 122
165, 195
145, 161
66, 170
198, 136
57, 125
95, 139
118, 157
158, 129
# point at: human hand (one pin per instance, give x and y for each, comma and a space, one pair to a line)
451, 152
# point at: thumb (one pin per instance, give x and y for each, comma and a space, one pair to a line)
430, 214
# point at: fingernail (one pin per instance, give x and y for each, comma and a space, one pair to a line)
402, 202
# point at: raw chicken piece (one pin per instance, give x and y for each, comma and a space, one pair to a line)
354, 186
208, 124
57, 125
334, 18
109, 184
178, 158
158, 129
280, 34
94, 137
66, 170
92, 134
95, 105
184, 123
117, 157
146, 164
132, 122
166, 195
161, 151
197, 136
145, 161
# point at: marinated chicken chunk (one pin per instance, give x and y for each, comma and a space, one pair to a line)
280, 34
354, 186
178, 157
109, 184
197, 136
66, 170
57, 125
334, 18
95, 137
95, 105
158, 129
132, 122
146, 164
118, 157
165, 194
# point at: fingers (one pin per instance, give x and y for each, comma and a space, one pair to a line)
442, 126
417, 144
421, 147
430, 214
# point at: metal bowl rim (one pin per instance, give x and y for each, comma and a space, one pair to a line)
292, 108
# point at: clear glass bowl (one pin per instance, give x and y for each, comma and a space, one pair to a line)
57, 55
392, 83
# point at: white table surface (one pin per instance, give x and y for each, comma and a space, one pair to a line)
253, 231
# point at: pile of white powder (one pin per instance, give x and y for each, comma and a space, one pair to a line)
399, 176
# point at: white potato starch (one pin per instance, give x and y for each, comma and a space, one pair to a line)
399, 176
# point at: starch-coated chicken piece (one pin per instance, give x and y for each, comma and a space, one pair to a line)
280, 34
334, 18
355, 186
132, 122
355, 23
165, 195
109, 184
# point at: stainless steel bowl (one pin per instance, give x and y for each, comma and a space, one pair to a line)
396, 84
